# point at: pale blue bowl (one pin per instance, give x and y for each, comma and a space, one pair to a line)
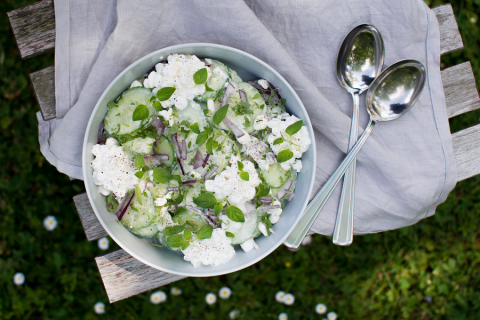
248, 68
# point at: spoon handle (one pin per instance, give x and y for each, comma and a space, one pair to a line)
313, 209
343, 232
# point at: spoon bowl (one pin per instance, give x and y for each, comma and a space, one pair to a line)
390, 96
395, 90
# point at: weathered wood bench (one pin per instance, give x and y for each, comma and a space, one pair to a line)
123, 275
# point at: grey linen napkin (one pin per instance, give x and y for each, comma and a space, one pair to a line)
405, 169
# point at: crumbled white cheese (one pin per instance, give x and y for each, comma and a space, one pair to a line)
214, 251
211, 105
178, 73
297, 165
196, 175
263, 83
244, 139
260, 122
136, 83
256, 149
275, 213
263, 229
249, 245
113, 168
228, 184
168, 116
159, 202
297, 143
230, 225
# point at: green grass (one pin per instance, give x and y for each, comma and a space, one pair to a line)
381, 276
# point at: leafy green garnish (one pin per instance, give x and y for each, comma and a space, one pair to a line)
200, 76
268, 223
162, 175
139, 174
201, 137
220, 114
284, 155
240, 165
235, 214
207, 88
138, 194
217, 209
209, 146
139, 161
185, 123
262, 190
294, 128
187, 233
247, 122
175, 241
278, 141
194, 127
245, 176
271, 96
140, 113
157, 105
205, 232
165, 93
205, 200
230, 235
112, 203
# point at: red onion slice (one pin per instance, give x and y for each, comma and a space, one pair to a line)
290, 197
156, 159
173, 188
243, 96
184, 149
206, 160
189, 182
269, 208
281, 193
198, 160
229, 90
236, 130
158, 124
181, 165
210, 173
126, 207
266, 199
101, 127
120, 205
175, 145
210, 220
270, 158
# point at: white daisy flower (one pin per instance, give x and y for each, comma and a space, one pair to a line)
50, 223
234, 314
19, 278
210, 298
279, 296
175, 291
332, 316
99, 308
321, 308
225, 293
103, 243
282, 316
158, 297
288, 299
307, 240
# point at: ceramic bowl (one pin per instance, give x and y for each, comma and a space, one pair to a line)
248, 67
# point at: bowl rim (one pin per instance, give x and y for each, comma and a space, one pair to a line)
86, 163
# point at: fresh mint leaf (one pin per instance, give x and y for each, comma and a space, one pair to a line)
177, 178
201, 138
162, 175
177, 229
165, 93
284, 155
263, 190
138, 195
220, 114
271, 96
173, 129
139, 161
178, 199
168, 231
205, 200
294, 128
200, 76
140, 113
245, 176
277, 141
175, 241
194, 127
185, 123
240, 165
247, 122
207, 88
205, 232
187, 233
185, 244
157, 105
139, 174
209, 146
256, 96
235, 214
230, 235
217, 209
181, 210
268, 223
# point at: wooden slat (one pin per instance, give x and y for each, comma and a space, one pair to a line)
450, 38
44, 86
460, 87
92, 227
124, 276
34, 28
466, 145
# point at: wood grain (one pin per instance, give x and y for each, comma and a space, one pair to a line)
34, 28
450, 38
460, 87
44, 86
466, 145
92, 227
124, 276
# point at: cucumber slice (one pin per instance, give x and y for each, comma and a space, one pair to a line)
235, 77
248, 228
149, 231
140, 145
275, 176
193, 193
257, 104
138, 215
194, 221
220, 76
193, 113
293, 175
119, 121
165, 146
163, 242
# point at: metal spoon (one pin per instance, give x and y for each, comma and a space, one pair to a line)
390, 96
359, 61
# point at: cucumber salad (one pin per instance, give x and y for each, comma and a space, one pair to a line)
195, 160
